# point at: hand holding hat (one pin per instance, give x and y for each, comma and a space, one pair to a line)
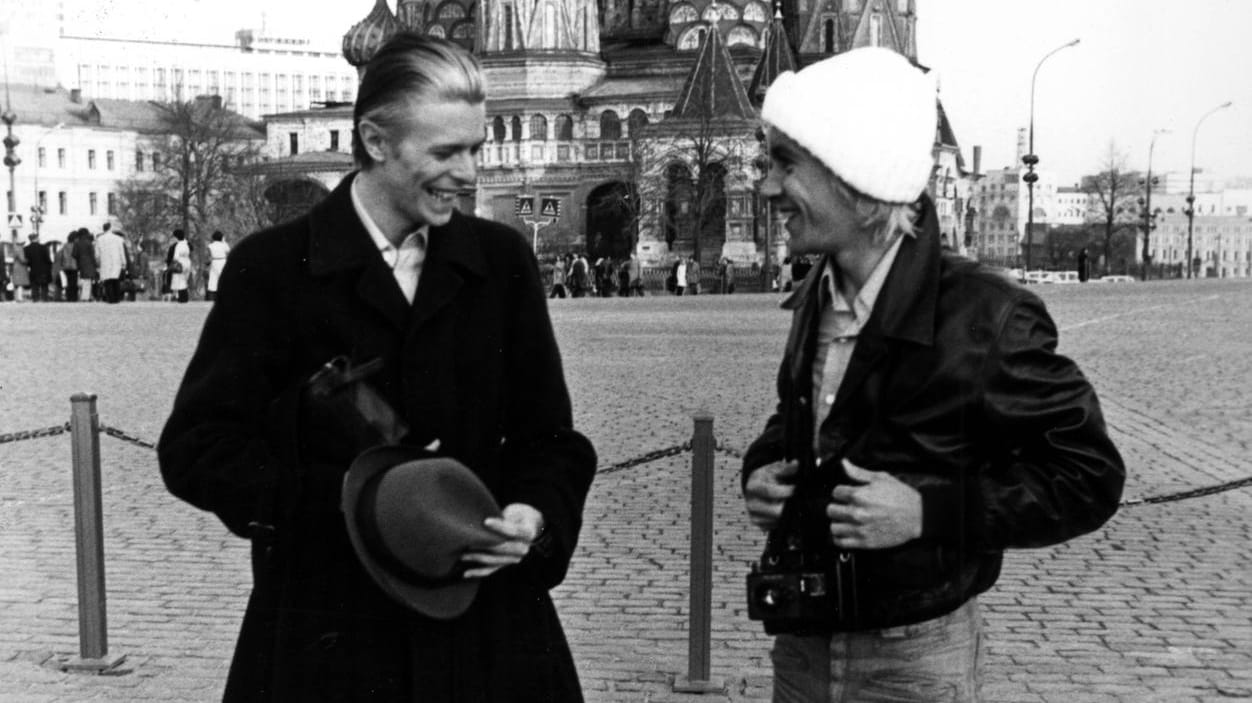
519, 525
416, 520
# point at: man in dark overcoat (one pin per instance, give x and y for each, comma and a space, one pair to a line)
39, 262
386, 268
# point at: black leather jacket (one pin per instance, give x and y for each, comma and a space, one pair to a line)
954, 387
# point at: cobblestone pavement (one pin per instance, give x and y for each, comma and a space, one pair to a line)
1157, 606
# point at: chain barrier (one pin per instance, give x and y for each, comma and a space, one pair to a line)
1193, 493
674, 450
34, 434
125, 437
730, 451
645, 458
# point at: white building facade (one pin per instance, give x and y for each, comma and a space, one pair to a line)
255, 76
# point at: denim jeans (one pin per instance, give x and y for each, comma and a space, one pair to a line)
936, 661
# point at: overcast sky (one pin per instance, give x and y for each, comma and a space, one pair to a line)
1141, 65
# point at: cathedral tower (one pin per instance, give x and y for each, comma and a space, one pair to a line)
539, 48
820, 28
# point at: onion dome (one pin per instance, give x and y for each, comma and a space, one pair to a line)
367, 36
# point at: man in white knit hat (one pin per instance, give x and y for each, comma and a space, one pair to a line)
925, 421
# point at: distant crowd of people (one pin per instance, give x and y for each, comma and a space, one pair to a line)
574, 277
106, 267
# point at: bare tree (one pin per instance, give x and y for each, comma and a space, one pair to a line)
1111, 194
204, 148
682, 168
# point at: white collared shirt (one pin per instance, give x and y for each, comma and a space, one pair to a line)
405, 260
840, 324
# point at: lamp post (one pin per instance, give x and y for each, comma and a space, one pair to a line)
1149, 217
1030, 159
1191, 188
37, 210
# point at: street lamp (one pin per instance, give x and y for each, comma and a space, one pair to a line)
1149, 217
1030, 159
1190, 211
36, 210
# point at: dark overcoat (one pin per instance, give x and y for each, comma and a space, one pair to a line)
39, 263
473, 362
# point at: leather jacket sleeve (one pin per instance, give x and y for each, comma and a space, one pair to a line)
1052, 473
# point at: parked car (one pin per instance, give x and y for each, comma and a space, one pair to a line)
1117, 279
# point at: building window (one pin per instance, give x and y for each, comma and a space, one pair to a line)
91, 159
295, 142
635, 122
828, 37
610, 125
92, 204
497, 130
508, 27
138, 160
516, 125
63, 203
43, 157
112, 204
108, 159
60, 158
43, 201
564, 128
156, 161
539, 128
334, 140
875, 29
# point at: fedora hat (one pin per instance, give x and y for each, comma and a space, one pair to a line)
411, 516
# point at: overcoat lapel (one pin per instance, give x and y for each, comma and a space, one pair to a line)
338, 243
453, 254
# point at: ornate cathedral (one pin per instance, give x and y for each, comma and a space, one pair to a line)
623, 126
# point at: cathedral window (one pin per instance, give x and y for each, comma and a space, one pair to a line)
875, 29
508, 27
635, 122
497, 130
436, 30
539, 128
755, 12
463, 30
450, 10
828, 36
564, 128
691, 39
741, 35
683, 14
717, 13
610, 125
516, 125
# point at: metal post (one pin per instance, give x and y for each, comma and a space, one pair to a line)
699, 631
89, 534
1191, 189
1030, 159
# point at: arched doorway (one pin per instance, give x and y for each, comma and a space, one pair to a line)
611, 209
290, 199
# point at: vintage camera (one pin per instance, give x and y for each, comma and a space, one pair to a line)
801, 581
785, 587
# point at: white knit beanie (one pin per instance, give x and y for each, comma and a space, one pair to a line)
868, 114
